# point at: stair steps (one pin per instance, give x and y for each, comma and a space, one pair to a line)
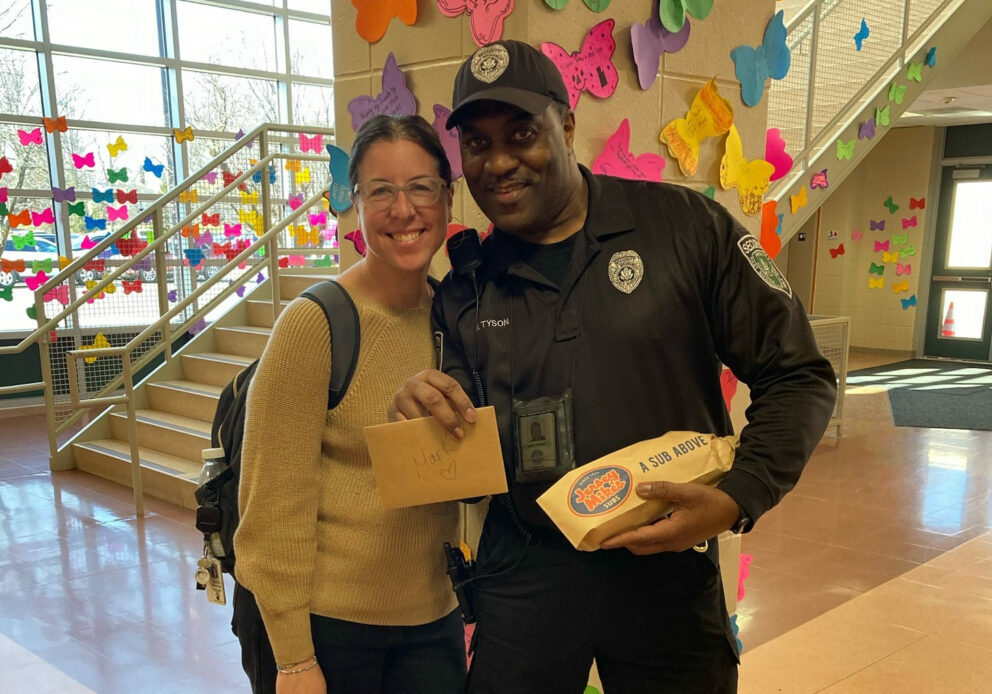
175, 426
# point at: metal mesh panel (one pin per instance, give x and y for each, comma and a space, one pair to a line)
831, 338
920, 12
787, 97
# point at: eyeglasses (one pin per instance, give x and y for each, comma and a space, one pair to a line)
420, 192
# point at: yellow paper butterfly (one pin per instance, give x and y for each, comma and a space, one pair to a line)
900, 286
710, 115
99, 342
799, 200
249, 198
251, 217
751, 178
190, 196
293, 164
183, 135
874, 283
63, 261
845, 150
306, 235
117, 147
304, 176
890, 257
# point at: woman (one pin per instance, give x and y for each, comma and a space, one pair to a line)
354, 598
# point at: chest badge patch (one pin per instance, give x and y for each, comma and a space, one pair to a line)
763, 266
626, 270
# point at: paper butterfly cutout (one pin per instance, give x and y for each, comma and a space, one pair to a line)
845, 150
819, 180
240, 291
102, 196
306, 236
910, 222
36, 281
799, 200
915, 72
877, 226
86, 160
5, 168
650, 41
323, 261
131, 246
12, 265
191, 230
194, 256
772, 59
232, 230
154, 169
906, 303
888, 257
882, 116
252, 198
863, 33
53, 124
318, 219
374, 16
229, 177
709, 115
395, 98
117, 175
900, 240
617, 160
182, 136
358, 240
22, 218
30, 138
897, 92
250, 217
449, 139
867, 130
3, 191
311, 144
594, 5
751, 178
881, 246
303, 176
92, 223
45, 217
64, 195
87, 244
775, 153
59, 294
198, 326
206, 240
915, 204
591, 68
856, 235
114, 214
257, 176
117, 146
898, 287
770, 221
7, 294
875, 283
99, 342
27, 240
672, 12
876, 269
340, 197
131, 287
904, 269
130, 196
931, 59
487, 16
710, 192
210, 220
189, 196
834, 252
891, 205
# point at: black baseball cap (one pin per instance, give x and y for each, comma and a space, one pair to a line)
513, 72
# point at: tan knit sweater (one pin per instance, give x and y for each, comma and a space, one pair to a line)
313, 536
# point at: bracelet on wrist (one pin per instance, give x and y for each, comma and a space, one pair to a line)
297, 668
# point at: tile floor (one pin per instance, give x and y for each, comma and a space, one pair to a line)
874, 575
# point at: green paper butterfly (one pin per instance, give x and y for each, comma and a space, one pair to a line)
897, 92
32, 314
908, 250
118, 175
39, 265
78, 209
876, 269
323, 261
3, 210
710, 192
24, 241
594, 5
900, 239
881, 116
845, 150
7, 294
672, 12
915, 72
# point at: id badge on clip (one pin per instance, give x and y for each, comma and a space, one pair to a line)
542, 438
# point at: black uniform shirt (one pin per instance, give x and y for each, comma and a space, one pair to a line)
645, 358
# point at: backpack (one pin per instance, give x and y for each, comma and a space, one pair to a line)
217, 513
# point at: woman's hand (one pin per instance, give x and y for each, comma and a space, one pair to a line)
309, 682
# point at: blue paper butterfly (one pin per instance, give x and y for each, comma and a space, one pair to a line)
340, 199
103, 196
193, 255
863, 33
931, 59
154, 169
771, 59
906, 303
92, 224
257, 176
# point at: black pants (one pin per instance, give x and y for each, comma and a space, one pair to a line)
361, 658
655, 625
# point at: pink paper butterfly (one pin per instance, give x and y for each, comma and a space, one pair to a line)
856, 235
394, 99
311, 144
617, 159
449, 139
59, 294
86, 243
776, 155
907, 223
81, 161
32, 138
295, 201
36, 281
904, 269
591, 68
210, 177
819, 180
487, 16
358, 239
881, 246
45, 217
113, 213
231, 230
317, 219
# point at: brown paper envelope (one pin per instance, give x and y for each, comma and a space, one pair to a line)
417, 462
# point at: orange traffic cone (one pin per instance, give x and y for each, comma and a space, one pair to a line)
948, 329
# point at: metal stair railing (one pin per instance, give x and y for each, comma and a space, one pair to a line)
824, 90
252, 205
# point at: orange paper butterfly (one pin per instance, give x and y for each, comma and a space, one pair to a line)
374, 16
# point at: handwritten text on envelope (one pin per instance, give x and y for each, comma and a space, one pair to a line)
417, 462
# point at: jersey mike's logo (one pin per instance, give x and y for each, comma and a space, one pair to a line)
599, 491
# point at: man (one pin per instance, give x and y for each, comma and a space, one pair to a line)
605, 307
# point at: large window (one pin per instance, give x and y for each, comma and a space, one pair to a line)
129, 72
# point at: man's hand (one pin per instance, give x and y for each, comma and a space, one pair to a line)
700, 512
432, 393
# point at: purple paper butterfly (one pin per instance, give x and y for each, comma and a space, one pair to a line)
64, 195
877, 226
394, 99
240, 291
260, 278
173, 296
819, 180
650, 41
197, 327
449, 139
867, 130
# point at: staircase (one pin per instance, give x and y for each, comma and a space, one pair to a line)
831, 90
175, 426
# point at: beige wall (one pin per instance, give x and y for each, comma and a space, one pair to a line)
900, 166
431, 51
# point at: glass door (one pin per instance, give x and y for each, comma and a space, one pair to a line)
959, 318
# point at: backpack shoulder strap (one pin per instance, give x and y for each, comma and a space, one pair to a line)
342, 319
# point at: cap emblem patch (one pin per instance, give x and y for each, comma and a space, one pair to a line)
489, 62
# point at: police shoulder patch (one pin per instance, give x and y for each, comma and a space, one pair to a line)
762, 264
